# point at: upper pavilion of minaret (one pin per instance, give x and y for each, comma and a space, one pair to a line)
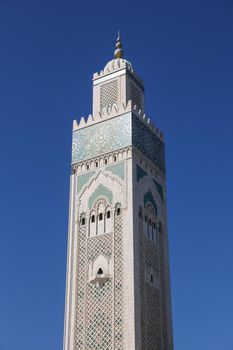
117, 89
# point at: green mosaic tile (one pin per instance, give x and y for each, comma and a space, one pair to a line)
100, 191
101, 138
117, 169
159, 189
83, 179
148, 197
140, 173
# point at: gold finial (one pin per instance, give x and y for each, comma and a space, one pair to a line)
118, 53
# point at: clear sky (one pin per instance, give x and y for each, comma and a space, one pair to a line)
48, 51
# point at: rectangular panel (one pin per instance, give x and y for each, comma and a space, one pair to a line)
104, 137
148, 143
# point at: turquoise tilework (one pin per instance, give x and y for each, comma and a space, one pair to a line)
148, 143
159, 189
116, 133
148, 197
117, 169
83, 179
140, 173
100, 191
101, 138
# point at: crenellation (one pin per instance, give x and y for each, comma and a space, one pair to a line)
82, 122
116, 111
147, 121
117, 65
75, 125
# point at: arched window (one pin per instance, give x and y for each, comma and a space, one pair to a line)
160, 227
108, 221
153, 231
150, 219
92, 229
101, 213
118, 211
83, 221
140, 215
100, 271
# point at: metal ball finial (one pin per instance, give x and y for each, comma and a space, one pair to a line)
118, 53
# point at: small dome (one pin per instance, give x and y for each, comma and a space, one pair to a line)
116, 64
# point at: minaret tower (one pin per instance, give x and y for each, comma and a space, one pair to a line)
118, 286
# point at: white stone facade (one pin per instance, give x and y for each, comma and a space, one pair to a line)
118, 289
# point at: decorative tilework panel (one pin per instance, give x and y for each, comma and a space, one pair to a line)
148, 197
101, 138
117, 169
100, 191
140, 173
159, 189
148, 143
135, 93
83, 179
108, 94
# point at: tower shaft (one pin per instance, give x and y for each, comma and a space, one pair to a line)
118, 285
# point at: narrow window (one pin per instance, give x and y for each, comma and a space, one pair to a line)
87, 167
145, 218
100, 217
115, 158
106, 161
153, 231
96, 164
93, 218
108, 214
118, 211
83, 221
100, 271
160, 227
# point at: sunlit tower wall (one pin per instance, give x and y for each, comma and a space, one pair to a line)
118, 285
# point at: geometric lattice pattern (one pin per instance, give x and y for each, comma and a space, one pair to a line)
142, 284
108, 94
148, 143
99, 317
153, 301
101, 244
135, 95
118, 288
165, 294
154, 334
81, 291
99, 310
99, 300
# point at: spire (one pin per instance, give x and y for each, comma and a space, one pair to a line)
118, 53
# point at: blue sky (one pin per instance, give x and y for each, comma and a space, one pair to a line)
48, 51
